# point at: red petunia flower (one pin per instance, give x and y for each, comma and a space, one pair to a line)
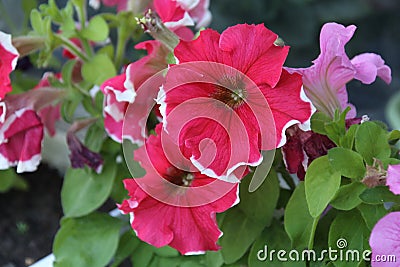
21, 128
50, 114
120, 91
8, 61
173, 206
229, 97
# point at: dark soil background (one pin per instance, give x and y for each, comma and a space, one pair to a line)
29, 220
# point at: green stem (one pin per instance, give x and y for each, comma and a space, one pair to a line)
121, 44
313, 228
82, 16
72, 47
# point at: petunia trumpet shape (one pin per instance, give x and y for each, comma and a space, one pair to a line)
229, 97
173, 206
120, 91
8, 61
325, 81
385, 241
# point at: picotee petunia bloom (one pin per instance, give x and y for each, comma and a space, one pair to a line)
229, 97
8, 61
325, 81
120, 91
173, 206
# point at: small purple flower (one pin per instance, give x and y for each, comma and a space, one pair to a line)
393, 178
80, 155
385, 240
325, 81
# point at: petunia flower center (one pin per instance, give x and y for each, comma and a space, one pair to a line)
231, 91
179, 177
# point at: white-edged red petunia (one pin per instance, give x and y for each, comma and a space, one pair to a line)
8, 62
173, 206
22, 130
227, 99
120, 91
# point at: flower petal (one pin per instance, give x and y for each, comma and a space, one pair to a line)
385, 239
370, 65
393, 178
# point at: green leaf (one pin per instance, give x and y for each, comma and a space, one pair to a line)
347, 141
371, 142
372, 214
298, 221
98, 69
321, 185
260, 204
37, 22
7, 179
166, 252
90, 241
127, 244
378, 195
142, 255
318, 121
349, 163
83, 192
214, 259
347, 233
237, 226
394, 136
68, 108
347, 196
66, 72
94, 137
272, 238
97, 29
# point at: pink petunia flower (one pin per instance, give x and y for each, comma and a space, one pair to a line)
175, 207
8, 61
393, 178
227, 99
385, 241
120, 91
325, 81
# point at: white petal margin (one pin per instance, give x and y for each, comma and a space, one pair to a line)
3, 114
188, 4
305, 126
29, 165
230, 177
163, 106
128, 84
5, 41
192, 253
185, 21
